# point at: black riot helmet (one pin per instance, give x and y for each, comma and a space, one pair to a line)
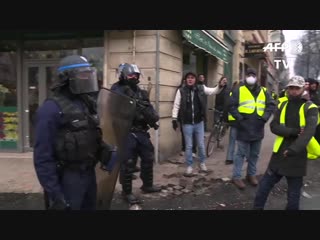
77, 72
129, 74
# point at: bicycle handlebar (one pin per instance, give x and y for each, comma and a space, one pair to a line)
213, 109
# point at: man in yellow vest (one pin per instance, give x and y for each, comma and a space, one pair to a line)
294, 123
251, 106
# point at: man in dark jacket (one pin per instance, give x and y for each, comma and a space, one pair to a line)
289, 156
313, 91
251, 106
189, 104
222, 101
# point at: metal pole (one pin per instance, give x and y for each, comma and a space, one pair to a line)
134, 47
157, 93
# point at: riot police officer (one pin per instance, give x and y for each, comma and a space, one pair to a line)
68, 141
138, 141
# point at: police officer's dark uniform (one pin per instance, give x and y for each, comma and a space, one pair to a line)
68, 141
138, 141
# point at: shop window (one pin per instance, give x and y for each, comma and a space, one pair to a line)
8, 100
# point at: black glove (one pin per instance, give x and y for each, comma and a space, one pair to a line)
174, 124
295, 132
59, 204
290, 153
262, 119
155, 126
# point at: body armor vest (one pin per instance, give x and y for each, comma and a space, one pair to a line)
79, 138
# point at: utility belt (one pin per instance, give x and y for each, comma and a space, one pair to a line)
83, 167
139, 129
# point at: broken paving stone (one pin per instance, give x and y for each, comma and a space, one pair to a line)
173, 175
198, 192
187, 183
170, 189
222, 205
163, 195
226, 179
206, 184
177, 187
177, 192
171, 185
164, 191
189, 175
176, 161
185, 190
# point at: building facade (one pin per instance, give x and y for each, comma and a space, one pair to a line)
28, 61
164, 56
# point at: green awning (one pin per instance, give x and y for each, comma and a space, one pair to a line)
208, 43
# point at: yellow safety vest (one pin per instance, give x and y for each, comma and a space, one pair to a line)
313, 147
281, 100
274, 96
247, 103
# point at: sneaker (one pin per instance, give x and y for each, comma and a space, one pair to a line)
194, 155
203, 167
189, 170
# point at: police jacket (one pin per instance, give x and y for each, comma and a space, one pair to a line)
251, 108
295, 164
64, 137
189, 103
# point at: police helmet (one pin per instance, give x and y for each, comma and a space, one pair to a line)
76, 71
129, 73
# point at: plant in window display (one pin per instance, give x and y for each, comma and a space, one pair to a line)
3, 92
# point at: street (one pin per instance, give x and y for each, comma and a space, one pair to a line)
20, 189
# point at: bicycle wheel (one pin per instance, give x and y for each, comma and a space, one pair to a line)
211, 142
221, 136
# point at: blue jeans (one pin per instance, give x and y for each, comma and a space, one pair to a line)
188, 131
250, 149
232, 143
268, 181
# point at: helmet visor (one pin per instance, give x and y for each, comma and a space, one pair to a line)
84, 81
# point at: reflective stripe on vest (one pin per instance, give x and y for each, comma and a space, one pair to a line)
247, 103
313, 146
230, 117
281, 100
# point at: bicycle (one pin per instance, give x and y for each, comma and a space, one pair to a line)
217, 133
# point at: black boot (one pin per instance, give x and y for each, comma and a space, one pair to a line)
127, 186
150, 189
147, 179
131, 199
